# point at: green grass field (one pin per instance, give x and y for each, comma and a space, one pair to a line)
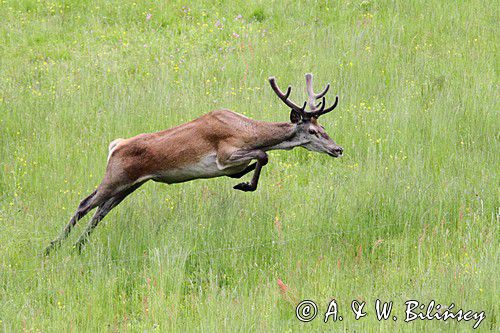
410, 212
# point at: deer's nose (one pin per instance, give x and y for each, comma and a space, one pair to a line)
339, 150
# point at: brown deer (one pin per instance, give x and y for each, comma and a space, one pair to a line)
220, 143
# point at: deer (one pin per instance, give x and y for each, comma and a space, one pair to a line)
219, 143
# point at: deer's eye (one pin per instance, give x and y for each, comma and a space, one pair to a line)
311, 131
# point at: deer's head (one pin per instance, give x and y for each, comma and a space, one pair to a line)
309, 131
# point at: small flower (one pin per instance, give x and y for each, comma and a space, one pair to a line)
235, 35
219, 25
239, 17
148, 16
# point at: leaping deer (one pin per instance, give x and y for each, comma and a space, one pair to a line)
220, 143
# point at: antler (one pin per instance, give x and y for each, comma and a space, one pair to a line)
313, 97
310, 92
284, 97
316, 109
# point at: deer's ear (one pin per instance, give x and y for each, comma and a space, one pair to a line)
294, 116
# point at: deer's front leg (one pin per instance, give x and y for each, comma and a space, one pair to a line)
248, 169
262, 160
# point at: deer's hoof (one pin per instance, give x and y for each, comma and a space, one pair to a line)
245, 187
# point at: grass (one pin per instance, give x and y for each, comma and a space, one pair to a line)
410, 211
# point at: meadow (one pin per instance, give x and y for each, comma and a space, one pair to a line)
410, 211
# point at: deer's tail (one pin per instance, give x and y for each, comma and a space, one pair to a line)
112, 146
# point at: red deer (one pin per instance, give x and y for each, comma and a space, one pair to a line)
220, 143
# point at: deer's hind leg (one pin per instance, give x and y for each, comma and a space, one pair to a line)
102, 211
106, 190
85, 206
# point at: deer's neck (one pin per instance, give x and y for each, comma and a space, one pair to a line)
272, 136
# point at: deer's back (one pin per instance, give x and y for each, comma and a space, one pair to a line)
185, 148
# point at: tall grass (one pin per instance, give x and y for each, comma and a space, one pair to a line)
410, 211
